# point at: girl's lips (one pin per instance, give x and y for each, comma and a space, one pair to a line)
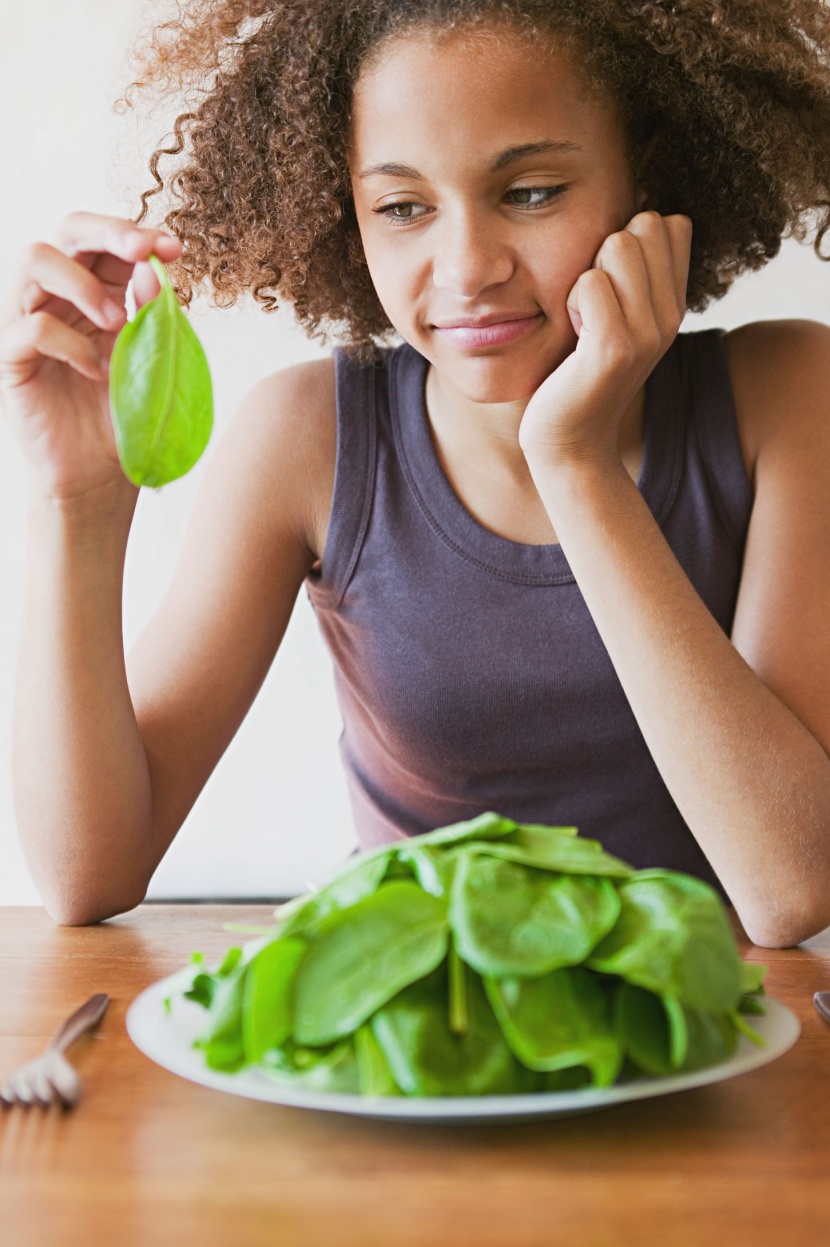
468, 338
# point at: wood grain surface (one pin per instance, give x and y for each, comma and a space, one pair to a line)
148, 1159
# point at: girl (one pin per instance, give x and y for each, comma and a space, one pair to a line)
571, 565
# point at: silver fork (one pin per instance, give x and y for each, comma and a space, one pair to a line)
50, 1078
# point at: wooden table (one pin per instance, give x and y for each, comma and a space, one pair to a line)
149, 1159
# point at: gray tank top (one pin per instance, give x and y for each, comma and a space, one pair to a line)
469, 672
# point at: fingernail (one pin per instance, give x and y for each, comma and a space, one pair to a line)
112, 311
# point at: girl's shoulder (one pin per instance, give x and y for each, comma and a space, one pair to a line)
287, 425
780, 375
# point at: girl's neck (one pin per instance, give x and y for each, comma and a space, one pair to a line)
481, 433
478, 449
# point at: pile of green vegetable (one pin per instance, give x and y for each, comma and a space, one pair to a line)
485, 958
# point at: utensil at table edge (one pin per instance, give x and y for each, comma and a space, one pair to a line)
30, 1082
822, 1002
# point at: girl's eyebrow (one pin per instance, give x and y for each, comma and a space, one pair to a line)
509, 156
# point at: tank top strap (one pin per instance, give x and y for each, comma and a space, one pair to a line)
358, 401
715, 429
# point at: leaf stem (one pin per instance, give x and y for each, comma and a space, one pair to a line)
459, 1015
751, 1034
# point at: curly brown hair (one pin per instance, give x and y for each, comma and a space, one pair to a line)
725, 105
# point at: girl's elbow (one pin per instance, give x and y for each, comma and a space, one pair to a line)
87, 911
785, 926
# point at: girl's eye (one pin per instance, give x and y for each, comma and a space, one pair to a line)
403, 212
390, 212
548, 194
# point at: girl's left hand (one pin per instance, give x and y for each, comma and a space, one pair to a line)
626, 311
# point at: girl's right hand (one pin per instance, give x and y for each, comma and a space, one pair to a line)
57, 331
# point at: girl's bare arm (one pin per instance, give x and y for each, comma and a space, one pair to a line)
739, 728
110, 754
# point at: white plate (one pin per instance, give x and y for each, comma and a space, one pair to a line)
167, 1039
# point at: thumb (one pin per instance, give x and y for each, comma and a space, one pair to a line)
572, 305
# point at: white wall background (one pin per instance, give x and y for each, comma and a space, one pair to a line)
274, 815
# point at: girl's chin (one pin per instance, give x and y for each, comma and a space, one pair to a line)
493, 379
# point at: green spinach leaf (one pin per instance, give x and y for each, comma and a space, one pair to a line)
359, 958
345, 889
752, 978
426, 1058
332, 1068
374, 1074
202, 990
557, 1021
160, 391
557, 851
485, 827
673, 938
510, 919
432, 866
268, 997
663, 1037
222, 1038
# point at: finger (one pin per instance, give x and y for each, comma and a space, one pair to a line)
675, 234
680, 230
32, 338
603, 326
621, 258
48, 272
89, 232
145, 284
649, 228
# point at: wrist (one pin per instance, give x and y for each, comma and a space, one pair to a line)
95, 516
568, 468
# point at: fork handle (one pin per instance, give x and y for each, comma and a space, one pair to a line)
822, 1002
81, 1021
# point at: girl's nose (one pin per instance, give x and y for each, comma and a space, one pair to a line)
469, 256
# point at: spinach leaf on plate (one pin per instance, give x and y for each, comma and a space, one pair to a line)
673, 937
332, 1067
222, 1038
510, 919
432, 866
305, 915
663, 1037
360, 957
559, 852
268, 997
485, 827
374, 1074
426, 1058
557, 1021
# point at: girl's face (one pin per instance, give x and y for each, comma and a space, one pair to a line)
485, 181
